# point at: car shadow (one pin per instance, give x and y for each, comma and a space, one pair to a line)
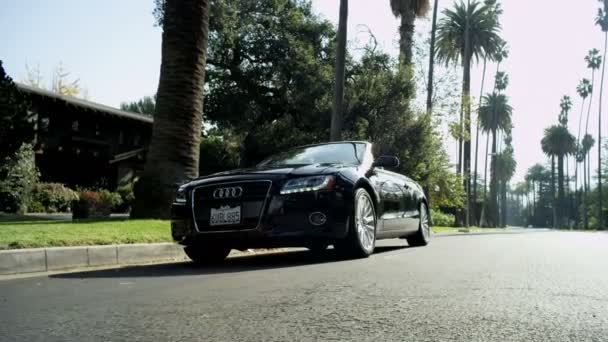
231, 265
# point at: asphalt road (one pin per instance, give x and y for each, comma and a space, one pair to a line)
536, 286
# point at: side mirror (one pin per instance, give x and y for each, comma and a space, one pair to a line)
387, 161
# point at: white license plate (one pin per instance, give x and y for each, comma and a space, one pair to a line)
225, 216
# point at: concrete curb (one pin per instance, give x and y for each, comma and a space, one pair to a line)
64, 258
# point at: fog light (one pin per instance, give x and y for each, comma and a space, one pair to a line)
317, 219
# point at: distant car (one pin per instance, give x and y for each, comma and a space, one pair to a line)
311, 196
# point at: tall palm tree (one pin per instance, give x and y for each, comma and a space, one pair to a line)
558, 142
336, 115
505, 169
501, 81
565, 105
407, 11
499, 56
586, 146
173, 154
584, 89
430, 85
468, 32
602, 21
494, 116
594, 61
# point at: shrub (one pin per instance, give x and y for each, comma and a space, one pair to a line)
441, 219
112, 198
53, 197
18, 176
127, 197
91, 204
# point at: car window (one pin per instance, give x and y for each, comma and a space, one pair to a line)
347, 153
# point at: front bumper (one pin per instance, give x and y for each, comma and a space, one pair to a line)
284, 222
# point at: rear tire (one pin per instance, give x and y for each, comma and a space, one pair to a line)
423, 235
204, 254
361, 239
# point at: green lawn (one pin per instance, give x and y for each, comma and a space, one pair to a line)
28, 232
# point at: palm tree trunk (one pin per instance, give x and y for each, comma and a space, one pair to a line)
560, 190
576, 162
553, 192
466, 101
406, 36
175, 145
493, 206
483, 79
585, 217
430, 86
336, 115
600, 208
485, 183
503, 204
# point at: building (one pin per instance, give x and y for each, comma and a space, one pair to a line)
86, 144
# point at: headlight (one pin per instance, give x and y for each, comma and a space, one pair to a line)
306, 184
180, 196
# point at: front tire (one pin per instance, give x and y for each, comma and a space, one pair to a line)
423, 235
203, 254
361, 239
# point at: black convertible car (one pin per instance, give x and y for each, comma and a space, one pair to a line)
313, 196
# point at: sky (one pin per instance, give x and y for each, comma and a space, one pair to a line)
113, 48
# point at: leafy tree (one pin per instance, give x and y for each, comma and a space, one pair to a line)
558, 142
18, 176
270, 70
408, 10
16, 122
336, 114
144, 106
174, 149
467, 32
494, 115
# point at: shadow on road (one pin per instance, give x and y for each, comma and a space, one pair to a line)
231, 265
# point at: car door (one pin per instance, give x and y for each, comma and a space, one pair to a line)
411, 211
392, 197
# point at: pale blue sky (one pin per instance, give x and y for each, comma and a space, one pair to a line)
113, 47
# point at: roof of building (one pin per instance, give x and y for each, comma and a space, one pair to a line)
85, 104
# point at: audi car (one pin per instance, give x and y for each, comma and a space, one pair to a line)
312, 196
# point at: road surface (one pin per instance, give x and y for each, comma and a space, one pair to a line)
533, 286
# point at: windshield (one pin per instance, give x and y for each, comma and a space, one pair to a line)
346, 153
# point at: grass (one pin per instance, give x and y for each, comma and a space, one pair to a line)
30, 232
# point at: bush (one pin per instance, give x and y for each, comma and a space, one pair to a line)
127, 197
52, 197
95, 204
441, 219
18, 176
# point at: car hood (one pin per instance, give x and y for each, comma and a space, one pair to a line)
273, 172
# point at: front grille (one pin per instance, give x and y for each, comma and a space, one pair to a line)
251, 201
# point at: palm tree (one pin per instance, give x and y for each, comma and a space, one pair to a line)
501, 81
558, 142
584, 89
535, 176
586, 146
494, 116
565, 105
430, 85
467, 32
594, 61
505, 169
173, 154
602, 21
501, 54
336, 115
408, 10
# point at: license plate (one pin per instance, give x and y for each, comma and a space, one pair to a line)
225, 216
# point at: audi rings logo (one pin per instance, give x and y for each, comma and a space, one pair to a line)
227, 193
